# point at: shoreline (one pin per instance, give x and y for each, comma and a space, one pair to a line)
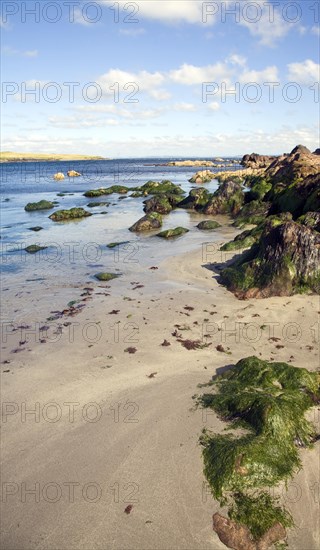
150, 449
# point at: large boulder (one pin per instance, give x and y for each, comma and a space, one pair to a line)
203, 176
196, 199
158, 203
256, 161
228, 199
72, 214
147, 223
286, 260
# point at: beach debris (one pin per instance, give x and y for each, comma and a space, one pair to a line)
128, 509
153, 267
152, 375
59, 176
165, 343
131, 350
193, 344
114, 312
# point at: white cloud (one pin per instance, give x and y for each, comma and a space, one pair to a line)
236, 59
315, 30
169, 11
8, 50
190, 74
132, 32
144, 82
185, 107
214, 106
269, 74
265, 22
306, 72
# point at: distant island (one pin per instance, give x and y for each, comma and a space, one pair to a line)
8, 156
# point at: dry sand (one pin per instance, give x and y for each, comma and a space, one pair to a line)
137, 443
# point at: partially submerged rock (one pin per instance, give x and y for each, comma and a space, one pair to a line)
41, 205
147, 223
203, 176
36, 228
59, 176
286, 260
72, 214
228, 199
105, 276
158, 203
208, 225
238, 537
34, 248
96, 204
196, 200
160, 188
120, 189
73, 174
114, 245
170, 233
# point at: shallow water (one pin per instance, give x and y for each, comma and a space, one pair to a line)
77, 250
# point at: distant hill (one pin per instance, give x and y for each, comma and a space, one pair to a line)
8, 156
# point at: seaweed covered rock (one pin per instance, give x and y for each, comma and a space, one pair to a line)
311, 219
158, 203
72, 214
196, 200
41, 205
256, 161
105, 276
228, 199
120, 189
160, 188
207, 225
286, 260
259, 187
203, 176
247, 238
149, 222
253, 212
97, 203
170, 233
268, 401
34, 248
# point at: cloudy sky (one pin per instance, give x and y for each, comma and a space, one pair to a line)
159, 77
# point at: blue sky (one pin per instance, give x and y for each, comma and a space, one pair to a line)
150, 64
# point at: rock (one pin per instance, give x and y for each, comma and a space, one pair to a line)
41, 205
259, 187
114, 245
247, 238
34, 248
196, 199
73, 174
208, 224
285, 261
120, 189
106, 276
253, 212
204, 176
311, 219
299, 164
149, 222
36, 228
158, 203
191, 163
238, 537
72, 214
96, 204
256, 161
228, 199
164, 187
170, 233
59, 176
316, 152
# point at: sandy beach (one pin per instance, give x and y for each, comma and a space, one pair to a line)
112, 450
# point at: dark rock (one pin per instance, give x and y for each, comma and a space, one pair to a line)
34, 248
158, 203
208, 224
285, 261
72, 214
256, 161
254, 212
147, 223
170, 233
228, 199
36, 228
120, 189
311, 219
41, 205
196, 199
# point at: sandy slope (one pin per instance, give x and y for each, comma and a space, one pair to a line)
143, 449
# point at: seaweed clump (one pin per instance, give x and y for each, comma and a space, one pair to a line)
268, 401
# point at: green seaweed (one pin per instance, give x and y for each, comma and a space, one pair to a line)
72, 214
170, 233
41, 205
106, 276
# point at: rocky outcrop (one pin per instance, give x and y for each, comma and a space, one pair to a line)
73, 174
158, 203
120, 189
204, 176
191, 163
299, 164
228, 199
256, 161
147, 223
41, 205
72, 214
238, 537
59, 176
170, 233
196, 199
311, 219
286, 260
